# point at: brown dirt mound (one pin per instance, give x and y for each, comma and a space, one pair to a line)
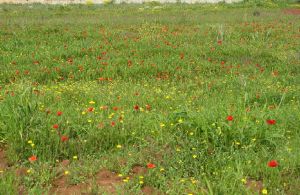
254, 185
22, 171
107, 180
61, 187
3, 161
292, 11
147, 190
138, 170
104, 179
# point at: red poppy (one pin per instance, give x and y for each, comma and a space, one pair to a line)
90, 109
230, 118
136, 107
32, 158
150, 166
271, 121
55, 126
219, 42
64, 138
113, 123
272, 163
59, 113
115, 108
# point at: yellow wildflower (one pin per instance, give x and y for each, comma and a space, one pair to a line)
243, 181
264, 191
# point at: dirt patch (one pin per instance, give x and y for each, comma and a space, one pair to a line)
107, 180
3, 161
61, 187
61, 184
292, 11
147, 190
64, 163
20, 172
104, 179
138, 170
22, 190
254, 185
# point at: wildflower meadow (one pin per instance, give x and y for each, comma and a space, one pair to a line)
150, 98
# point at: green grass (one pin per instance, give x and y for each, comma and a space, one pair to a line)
171, 64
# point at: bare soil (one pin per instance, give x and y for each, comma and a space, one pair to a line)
138, 170
3, 160
254, 185
292, 11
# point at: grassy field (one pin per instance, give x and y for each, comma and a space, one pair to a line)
153, 99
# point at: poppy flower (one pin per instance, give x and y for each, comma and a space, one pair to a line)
32, 158
230, 118
271, 121
55, 126
90, 109
219, 42
136, 107
272, 163
113, 123
59, 113
150, 166
64, 138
